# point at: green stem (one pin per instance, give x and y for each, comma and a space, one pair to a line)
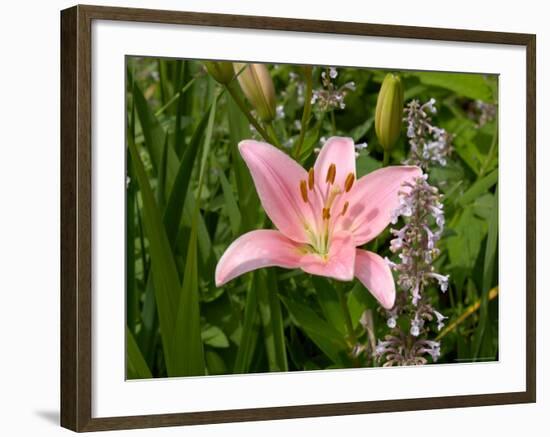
333, 122
271, 132
174, 97
242, 106
386, 158
347, 316
307, 110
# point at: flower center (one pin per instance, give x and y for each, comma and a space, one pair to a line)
320, 240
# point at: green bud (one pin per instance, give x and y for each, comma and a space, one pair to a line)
389, 111
222, 72
258, 88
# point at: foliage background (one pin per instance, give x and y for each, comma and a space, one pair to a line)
182, 134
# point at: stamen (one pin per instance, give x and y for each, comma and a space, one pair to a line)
350, 179
311, 178
303, 190
331, 174
345, 208
326, 213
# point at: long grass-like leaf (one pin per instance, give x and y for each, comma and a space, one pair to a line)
231, 206
136, 367
272, 322
188, 347
488, 273
249, 332
478, 188
180, 187
165, 274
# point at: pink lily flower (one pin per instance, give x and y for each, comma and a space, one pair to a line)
322, 215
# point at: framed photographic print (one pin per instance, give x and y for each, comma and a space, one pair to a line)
267, 218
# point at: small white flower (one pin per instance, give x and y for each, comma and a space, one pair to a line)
440, 319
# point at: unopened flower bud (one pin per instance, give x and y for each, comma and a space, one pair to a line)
389, 111
222, 72
258, 88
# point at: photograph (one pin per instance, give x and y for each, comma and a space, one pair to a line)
284, 217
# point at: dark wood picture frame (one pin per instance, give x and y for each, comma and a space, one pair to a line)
76, 217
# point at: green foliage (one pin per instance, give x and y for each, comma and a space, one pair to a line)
190, 194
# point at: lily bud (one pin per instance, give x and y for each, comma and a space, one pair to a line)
389, 111
222, 72
258, 88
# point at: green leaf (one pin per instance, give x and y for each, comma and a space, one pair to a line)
231, 206
478, 188
132, 294
164, 271
188, 345
272, 322
215, 363
366, 164
327, 338
214, 336
465, 246
359, 300
136, 367
250, 332
187, 340
469, 85
329, 302
180, 187
238, 131
488, 274
152, 130
311, 139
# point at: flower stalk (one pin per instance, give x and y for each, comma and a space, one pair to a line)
308, 74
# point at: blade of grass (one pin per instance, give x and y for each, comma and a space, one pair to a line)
479, 187
308, 70
231, 206
161, 181
249, 332
488, 273
180, 187
188, 348
132, 295
154, 139
272, 322
136, 367
467, 313
248, 199
164, 271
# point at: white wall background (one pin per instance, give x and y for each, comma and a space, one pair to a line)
29, 217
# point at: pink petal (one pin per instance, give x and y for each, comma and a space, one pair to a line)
254, 250
339, 262
339, 151
277, 178
375, 274
372, 200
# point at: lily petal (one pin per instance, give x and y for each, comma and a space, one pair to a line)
372, 200
277, 178
339, 263
372, 270
339, 151
254, 250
